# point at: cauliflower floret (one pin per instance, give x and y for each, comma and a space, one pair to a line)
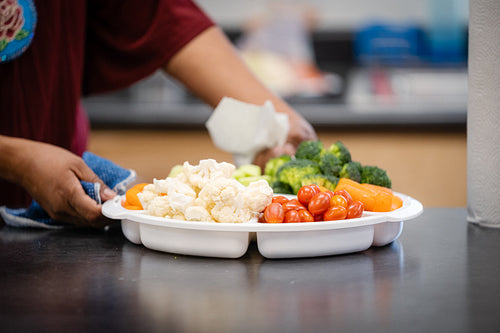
179, 216
231, 214
207, 170
159, 206
198, 213
147, 195
219, 191
206, 192
179, 195
255, 196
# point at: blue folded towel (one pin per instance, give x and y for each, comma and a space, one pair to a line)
114, 176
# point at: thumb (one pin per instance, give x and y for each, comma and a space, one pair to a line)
105, 192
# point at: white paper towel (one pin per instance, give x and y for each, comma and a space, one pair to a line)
244, 129
483, 117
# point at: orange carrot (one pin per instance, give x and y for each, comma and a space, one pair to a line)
397, 202
377, 188
374, 198
357, 192
131, 199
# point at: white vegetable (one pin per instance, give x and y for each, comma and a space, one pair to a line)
206, 192
147, 195
198, 213
207, 170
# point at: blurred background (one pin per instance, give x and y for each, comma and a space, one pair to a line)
386, 77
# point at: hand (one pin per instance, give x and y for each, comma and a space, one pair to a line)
52, 177
300, 130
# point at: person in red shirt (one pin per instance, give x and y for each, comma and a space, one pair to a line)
96, 46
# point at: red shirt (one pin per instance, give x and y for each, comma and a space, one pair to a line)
85, 47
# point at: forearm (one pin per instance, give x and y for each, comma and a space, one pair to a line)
10, 161
210, 68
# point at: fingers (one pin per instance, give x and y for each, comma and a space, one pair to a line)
86, 208
263, 156
300, 130
82, 210
79, 209
106, 193
86, 174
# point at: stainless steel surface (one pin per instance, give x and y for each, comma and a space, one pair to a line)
442, 275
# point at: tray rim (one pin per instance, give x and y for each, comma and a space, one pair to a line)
411, 208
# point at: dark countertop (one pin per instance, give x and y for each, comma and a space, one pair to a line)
441, 275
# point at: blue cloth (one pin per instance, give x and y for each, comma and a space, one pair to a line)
114, 176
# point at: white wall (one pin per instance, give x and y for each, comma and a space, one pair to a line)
332, 14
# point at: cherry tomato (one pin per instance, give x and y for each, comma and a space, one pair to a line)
274, 213
305, 216
338, 200
346, 195
318, 217
330, 193
293, 204
292, 216
319, 203
280, 199
306, 193
316, 187
355, 210
335, 213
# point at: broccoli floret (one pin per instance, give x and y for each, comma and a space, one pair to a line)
292, 172
310, 150
281, 188
351, 170
330, 164
341, 151
327, 181
273, 164
375, 175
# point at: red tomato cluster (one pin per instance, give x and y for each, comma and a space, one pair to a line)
313, 204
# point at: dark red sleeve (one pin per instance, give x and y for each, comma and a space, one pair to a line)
129, 40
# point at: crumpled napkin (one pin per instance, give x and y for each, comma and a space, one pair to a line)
114, 176
244, 129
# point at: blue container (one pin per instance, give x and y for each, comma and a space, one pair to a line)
379, 44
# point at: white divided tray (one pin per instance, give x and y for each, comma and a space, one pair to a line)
283, 240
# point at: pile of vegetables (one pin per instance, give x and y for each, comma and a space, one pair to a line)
316, 203
315, 164
313, 204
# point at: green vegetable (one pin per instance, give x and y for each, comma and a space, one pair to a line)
328, 181
310, 150
250, 179
280, 187
249, 173
375, 175
341, 151
292, 172
273, 164
176, 169
248, 170
351, 170
330, 164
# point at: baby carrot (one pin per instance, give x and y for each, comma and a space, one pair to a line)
131, 199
